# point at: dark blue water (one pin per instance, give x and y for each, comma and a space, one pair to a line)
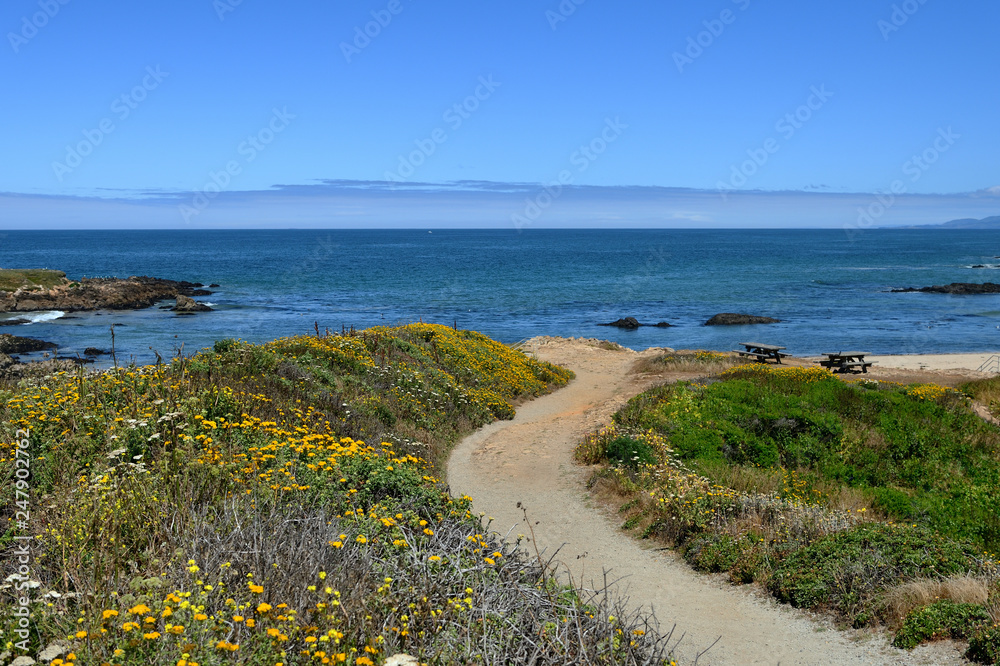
831, 291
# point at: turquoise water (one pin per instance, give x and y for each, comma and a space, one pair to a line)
831, 291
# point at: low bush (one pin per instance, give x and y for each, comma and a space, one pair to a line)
714, 552
698, 361
630, 452
943, 619
848, 569
984, 645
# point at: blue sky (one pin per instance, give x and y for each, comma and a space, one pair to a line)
724, 113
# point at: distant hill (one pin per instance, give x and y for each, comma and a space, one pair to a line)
965, 223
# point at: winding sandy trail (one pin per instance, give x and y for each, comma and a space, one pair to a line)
530, 460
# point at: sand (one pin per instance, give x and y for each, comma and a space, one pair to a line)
955, 362
530, 460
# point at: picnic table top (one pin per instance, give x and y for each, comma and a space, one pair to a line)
760, 345
846, 354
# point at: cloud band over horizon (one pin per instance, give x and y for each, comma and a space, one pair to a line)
486, 204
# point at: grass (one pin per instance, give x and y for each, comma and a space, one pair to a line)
688, 361
986, 391
278, 504
856, 497
30, 278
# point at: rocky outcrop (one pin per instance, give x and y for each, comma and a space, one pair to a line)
133, 293
186, 305
958, 288
93, 351
12, 369
12, 344
631, 323
734, 319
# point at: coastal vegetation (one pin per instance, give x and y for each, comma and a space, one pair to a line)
987, 392
12, 279
39, 290
279, 504
872, 500
700, 361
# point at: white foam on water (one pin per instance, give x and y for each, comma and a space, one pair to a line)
38, 317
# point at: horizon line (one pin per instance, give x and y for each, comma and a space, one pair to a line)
915, 227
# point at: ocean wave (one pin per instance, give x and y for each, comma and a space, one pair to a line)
993, 266
37, 317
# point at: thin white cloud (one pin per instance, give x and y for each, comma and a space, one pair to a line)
480, 204
690, 216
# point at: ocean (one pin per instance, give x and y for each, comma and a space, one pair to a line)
830, 290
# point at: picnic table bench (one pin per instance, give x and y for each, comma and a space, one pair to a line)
761, 352
849, 361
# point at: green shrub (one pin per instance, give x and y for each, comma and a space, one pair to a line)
630, 452
753, 562
984, 646
846, 569
714, 552
942, 619
225, 345
893, 502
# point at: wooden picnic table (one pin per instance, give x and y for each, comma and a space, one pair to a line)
846, 361
761, 351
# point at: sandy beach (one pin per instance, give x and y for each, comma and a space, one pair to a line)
944, 369
958, 362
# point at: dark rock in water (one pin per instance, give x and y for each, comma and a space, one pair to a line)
631, 323
199, 292
12, 344
957, 288
13, 322
213, 286
166, 307
93, 351
734, 319
626, 323
186, 304
979, 266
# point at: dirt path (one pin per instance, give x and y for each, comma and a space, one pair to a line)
530, 460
